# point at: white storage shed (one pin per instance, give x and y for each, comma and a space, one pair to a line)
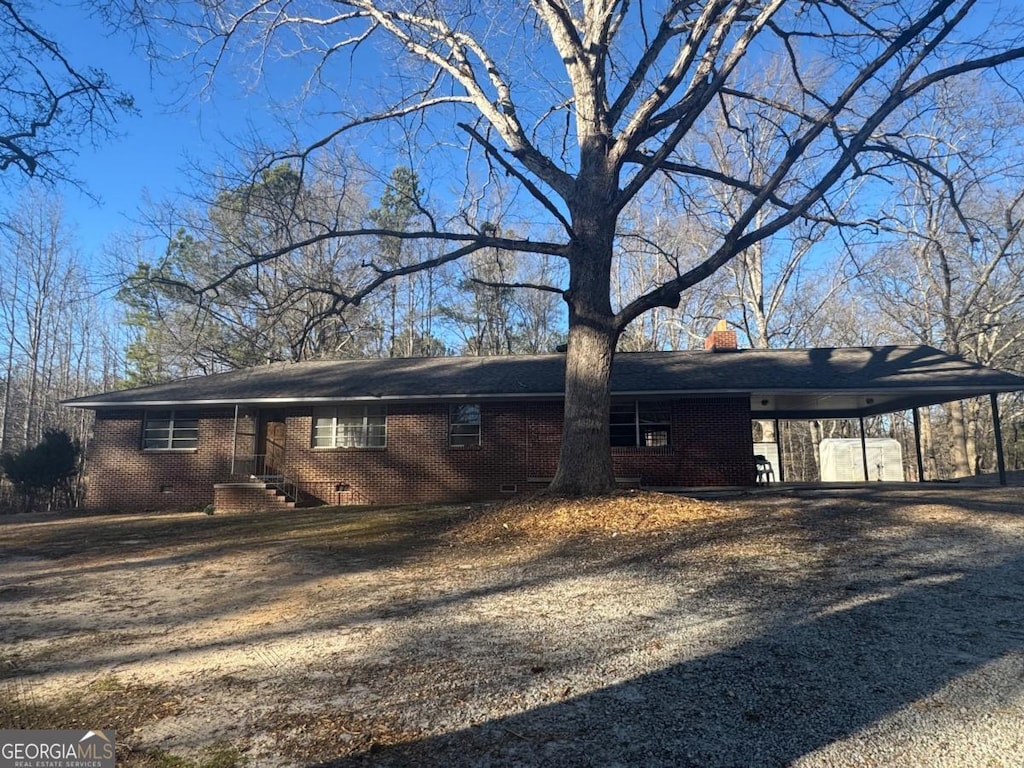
842, 459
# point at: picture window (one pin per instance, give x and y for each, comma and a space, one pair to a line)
350, 426
170, 430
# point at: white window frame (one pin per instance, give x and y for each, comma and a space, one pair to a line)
370, 433
464, 433
180, 434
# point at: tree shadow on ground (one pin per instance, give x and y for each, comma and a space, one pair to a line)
357, 537
61, 561
826, 658
797, 687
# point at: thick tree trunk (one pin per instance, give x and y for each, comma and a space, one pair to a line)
585, 460
958, 448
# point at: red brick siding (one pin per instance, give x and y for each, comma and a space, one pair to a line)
711, 444
418, 464
122, 476
543, 438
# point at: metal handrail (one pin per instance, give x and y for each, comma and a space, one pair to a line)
249, 466
255, 468
287, 486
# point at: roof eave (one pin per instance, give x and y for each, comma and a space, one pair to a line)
949, 392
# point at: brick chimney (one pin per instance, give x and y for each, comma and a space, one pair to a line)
721, 339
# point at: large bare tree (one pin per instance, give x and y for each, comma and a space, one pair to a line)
585, 104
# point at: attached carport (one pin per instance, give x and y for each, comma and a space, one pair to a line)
856, 383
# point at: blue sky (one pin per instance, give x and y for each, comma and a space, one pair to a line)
154, 154
175, 128
152, 151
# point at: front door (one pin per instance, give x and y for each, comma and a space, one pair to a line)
273, 442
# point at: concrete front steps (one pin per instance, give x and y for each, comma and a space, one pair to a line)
251, 496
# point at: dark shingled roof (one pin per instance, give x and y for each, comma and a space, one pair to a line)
820, 381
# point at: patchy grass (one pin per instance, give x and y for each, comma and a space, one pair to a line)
105, 703
148, 534
217, 756
307, 740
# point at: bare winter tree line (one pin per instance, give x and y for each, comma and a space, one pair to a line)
286, 310
57, 336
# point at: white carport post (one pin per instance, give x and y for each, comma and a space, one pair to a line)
234, 441
778, 452
863, 449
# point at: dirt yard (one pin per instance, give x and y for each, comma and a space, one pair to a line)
819, 628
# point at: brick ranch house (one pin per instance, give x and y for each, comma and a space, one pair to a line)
445, 429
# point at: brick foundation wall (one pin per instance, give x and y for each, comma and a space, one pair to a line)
711, 445
246, 497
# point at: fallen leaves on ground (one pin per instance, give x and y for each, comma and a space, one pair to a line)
543, 517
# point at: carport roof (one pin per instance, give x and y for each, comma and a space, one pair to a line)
794, 383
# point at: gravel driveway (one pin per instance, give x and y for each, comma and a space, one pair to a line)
845, 628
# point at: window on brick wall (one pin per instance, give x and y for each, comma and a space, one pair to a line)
170, 430
464, 425
350, 426
639, 424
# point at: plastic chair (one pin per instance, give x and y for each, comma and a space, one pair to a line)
765, 471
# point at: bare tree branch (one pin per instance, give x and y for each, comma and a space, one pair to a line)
474, 242
532, 188
512, 286
48, 105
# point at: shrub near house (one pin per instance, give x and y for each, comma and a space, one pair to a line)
44, 471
